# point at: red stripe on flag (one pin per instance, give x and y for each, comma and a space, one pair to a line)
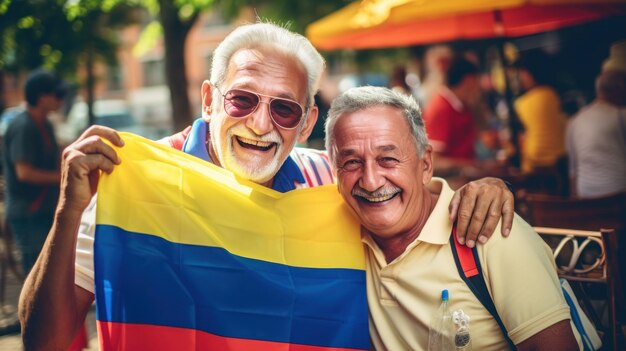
121, 336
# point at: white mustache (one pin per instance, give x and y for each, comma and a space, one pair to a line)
243, 132
382, 193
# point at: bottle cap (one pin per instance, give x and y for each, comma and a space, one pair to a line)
444, 295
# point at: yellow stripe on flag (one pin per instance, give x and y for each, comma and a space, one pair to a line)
150, 193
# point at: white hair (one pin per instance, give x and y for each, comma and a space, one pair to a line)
361, 98
268, 34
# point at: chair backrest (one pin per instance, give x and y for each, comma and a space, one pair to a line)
607, 212
593, 222
566, 212
569, 247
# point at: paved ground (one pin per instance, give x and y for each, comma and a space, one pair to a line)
10, 339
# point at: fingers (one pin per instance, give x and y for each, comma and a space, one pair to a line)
454, 206
488, 222
478, 207
466, 204
103, 132
82, 163
95, 145
508, 212
477, 215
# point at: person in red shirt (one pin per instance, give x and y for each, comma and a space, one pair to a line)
451, 127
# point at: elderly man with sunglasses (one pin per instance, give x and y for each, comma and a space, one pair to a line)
256, 106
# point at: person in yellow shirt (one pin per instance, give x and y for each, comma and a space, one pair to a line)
539, 110
378, 147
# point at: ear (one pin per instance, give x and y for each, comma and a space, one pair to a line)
427, 165
206, 92
309, 124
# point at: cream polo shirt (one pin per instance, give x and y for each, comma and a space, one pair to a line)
519, 272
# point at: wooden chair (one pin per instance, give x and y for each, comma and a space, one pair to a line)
585, 220
549, 180
566, 212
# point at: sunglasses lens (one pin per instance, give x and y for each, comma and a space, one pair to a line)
239, 103
286, 113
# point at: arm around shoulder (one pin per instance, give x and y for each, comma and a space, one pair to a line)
558, 337
522, 279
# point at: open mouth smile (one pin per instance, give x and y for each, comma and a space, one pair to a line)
254, 144
377, 199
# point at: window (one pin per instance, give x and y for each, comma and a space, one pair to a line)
153, 72
114, 78
214, 19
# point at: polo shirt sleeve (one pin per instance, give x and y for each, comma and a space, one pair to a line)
521, 276
83, 268
22, 146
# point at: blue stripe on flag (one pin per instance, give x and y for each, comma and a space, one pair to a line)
154, 281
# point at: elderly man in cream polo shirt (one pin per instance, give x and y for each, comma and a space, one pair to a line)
378, 146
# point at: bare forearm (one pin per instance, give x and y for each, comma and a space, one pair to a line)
449, 166
28, 174
558, 337
51, 307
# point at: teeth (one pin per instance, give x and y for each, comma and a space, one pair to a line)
380, 198
257, 143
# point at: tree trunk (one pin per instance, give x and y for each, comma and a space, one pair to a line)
3, 102
91, 81
175, 35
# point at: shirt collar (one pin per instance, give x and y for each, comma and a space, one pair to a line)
195, 143
288, 175
438, 226
285, 180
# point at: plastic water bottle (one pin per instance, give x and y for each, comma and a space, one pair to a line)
462, 337
441, 330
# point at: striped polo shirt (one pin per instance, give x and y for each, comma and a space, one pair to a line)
304, 168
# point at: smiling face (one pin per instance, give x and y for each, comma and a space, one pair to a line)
379, 173
253, 147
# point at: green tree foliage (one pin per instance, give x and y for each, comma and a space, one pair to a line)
95, 24
54, 33
298, 14
61, 35
176, 18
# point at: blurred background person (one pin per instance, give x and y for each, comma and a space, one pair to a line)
450, 123
542, 143
436, 62
31, 166
596, 136
397, 80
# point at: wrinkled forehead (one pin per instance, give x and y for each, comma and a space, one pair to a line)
269, 70
376, 125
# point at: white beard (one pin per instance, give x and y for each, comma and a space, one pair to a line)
259, 172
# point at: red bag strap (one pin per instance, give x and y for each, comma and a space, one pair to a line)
465, 256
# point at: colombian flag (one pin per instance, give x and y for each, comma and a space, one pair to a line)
189, 257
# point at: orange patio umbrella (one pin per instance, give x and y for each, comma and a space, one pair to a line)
391, 23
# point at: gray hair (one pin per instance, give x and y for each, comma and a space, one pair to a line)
268, 34
361, 98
